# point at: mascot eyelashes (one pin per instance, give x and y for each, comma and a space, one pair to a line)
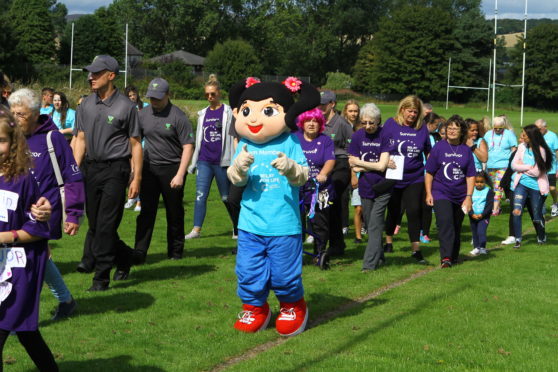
270, 163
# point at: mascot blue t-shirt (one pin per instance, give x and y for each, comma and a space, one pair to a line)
270, 206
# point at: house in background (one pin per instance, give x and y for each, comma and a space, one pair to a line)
189, 59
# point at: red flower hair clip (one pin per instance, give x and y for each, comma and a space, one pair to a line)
293, 84
251, 81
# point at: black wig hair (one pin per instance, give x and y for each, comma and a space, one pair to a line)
536, 141
308, 98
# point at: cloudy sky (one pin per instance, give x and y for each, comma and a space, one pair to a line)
506, 8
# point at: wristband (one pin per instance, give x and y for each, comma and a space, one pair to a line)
469, 195
15, 235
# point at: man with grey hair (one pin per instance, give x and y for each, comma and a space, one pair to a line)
108, 135
552, 141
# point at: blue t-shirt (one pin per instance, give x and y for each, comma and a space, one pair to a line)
499, 148
478, 164
47, 110
70, 119
479, 199
552, 141
525, 180
270, 205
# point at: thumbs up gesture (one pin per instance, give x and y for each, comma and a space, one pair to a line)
244, 159
295, 173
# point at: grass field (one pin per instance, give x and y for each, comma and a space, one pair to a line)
491, 313
496, 312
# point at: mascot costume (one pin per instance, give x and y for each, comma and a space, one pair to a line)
270, 163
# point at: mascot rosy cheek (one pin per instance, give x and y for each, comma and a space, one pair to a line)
270, 163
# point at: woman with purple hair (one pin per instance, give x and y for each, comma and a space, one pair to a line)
319, 151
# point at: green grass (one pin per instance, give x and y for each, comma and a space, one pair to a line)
491, 313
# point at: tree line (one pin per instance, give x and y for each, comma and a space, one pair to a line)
387, 48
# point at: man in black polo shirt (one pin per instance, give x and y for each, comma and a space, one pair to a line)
108, 134
340, 132
169, 144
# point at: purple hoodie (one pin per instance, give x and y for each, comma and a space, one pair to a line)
44, 174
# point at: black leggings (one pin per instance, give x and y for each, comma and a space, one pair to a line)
412, 199
35, 346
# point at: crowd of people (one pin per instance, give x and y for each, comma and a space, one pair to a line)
115, 150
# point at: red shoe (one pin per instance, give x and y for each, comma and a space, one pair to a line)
253, 318
293, 318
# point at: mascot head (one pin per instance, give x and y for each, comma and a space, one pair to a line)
263, 111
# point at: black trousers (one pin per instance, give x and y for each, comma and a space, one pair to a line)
341, 178
35, 346
412, 199
449, 219
233, 204
156, 181
105, 194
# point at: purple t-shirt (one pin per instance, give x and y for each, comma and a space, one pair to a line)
20, 310
317, 152
369, 147
212, 140
450, 165
411, 143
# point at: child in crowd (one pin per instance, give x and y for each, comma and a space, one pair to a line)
24, 239
479, 216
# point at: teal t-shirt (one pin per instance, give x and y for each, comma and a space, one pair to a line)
478, 164
525, 180
70, 119
270, 205
499, 148
479, 199
47, 110
552, 141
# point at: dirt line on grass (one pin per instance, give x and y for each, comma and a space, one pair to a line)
253, 352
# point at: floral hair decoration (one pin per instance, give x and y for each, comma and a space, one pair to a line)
251, 81
292, 83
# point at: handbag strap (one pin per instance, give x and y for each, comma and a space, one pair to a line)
54, 161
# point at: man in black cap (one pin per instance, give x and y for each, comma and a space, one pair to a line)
108, 135
340, 132
169, 144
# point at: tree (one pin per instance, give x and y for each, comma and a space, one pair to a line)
541, 69
31, 23
408, 55
107, 38
232, 61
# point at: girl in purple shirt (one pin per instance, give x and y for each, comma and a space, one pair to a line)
22, 270
408, 137
449, 182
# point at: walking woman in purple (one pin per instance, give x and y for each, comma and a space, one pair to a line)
23, 247
369, 156
449, 182
408, 138
319, 151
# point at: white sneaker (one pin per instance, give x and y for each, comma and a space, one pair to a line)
363, 231
309, 240
345, 230
234, 236
192, 235
137, 208
129, 203
483, 251
554, 210
509, 240
475, 252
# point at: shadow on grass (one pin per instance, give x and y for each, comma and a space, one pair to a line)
119, 363
117, 302
140, 274
344, 307
363, 335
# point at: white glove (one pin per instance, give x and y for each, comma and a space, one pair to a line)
295, 173
238, 171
